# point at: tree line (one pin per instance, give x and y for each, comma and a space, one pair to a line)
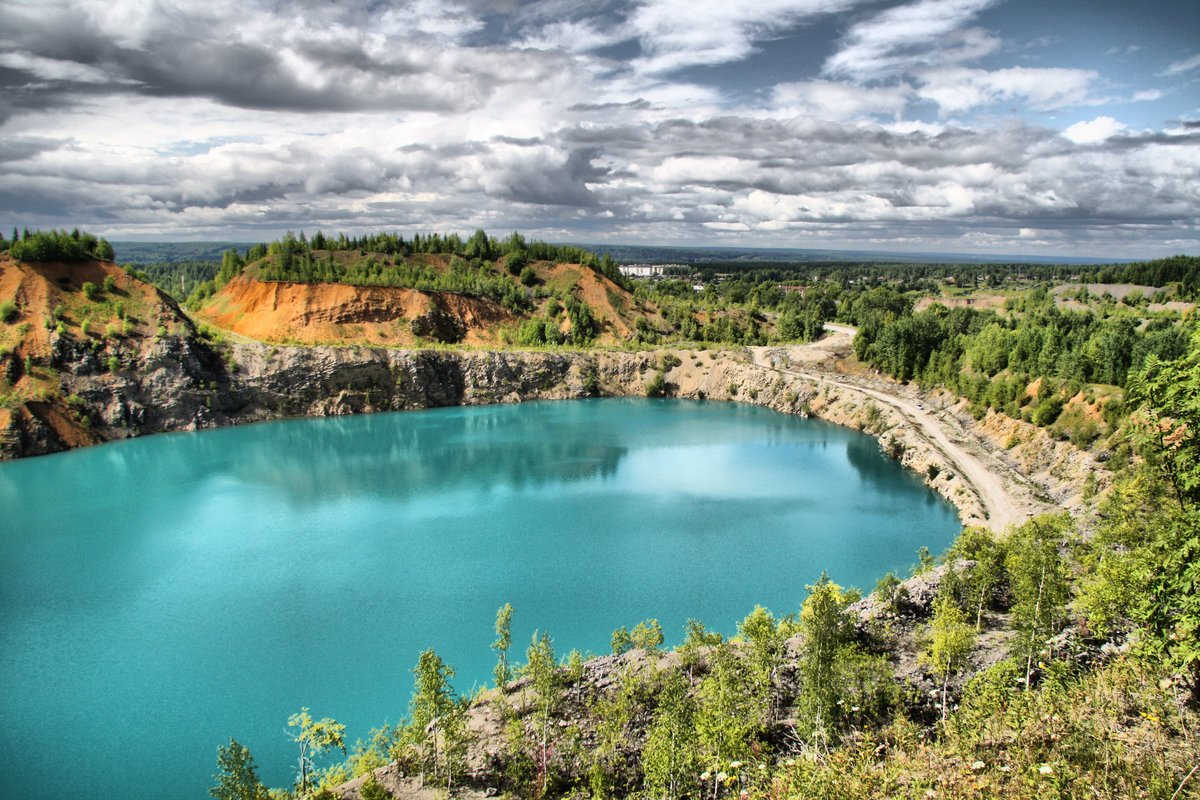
56, 245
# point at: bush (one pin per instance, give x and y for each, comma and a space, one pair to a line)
1047, 411
371, 790
110, 284
657, 387
89, 290
8, 311
528, 276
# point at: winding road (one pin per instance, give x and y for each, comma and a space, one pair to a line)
1006, 497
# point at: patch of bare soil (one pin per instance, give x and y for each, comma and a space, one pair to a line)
321, 313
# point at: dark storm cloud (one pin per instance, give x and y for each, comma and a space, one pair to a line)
21, 148
260, 62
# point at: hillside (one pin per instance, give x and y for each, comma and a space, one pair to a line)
89, 353
390, 301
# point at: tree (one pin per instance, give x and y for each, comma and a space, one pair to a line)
432, 713
238, 777
540, 666
985, 578
647, 635
827, 632
728, 715
766, 638
502, 673
621, 641
1167, 423
1165, 555
1038, 581
104, 250
314, 738
670, 760
951, 640
478, 246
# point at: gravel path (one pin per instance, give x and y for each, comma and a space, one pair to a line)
1007, 498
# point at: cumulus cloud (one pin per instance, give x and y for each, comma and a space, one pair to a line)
454, 115
1095, 130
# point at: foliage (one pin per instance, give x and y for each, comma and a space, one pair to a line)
1167, 425
541, 668
314, 738
372, 790
502, 673
56, 245
827, 633
1039, 585
436, 727
670, 759
237, 778
376, 752
951, 640
982, 583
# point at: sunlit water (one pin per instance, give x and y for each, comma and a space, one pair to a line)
158, 596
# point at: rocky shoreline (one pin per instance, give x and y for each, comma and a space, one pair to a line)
184, 382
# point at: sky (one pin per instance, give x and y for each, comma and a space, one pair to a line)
975, 126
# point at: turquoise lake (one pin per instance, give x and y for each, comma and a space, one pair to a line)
160, 595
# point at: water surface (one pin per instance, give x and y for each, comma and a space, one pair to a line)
163, 594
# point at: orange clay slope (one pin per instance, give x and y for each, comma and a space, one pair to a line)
341, 314
45, 303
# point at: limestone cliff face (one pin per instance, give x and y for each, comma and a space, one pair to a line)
181, 381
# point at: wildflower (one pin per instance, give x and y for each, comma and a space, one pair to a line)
978, 765
722, 777
1046, 769
705, 775
735, 765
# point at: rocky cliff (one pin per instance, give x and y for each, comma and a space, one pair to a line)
182, 381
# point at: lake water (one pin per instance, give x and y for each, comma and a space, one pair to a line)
160, 595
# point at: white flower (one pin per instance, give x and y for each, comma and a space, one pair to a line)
978, 765
1045, 769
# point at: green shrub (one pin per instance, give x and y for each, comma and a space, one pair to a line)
657, 387
89, 290
8, 312
110, 284
371, 790
1047, 411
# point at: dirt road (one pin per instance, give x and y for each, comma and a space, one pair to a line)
1007, 498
